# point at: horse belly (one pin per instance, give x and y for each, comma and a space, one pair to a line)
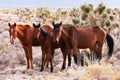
85, 43
35, 43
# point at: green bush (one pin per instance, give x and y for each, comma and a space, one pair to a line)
75, 21
85, 8
107, 23
108, 11
84, 16
104, 15
101, 8
111, 18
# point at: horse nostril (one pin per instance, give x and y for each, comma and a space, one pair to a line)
36, 38
12, 42
56, 42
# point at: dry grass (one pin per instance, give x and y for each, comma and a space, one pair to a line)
13, 62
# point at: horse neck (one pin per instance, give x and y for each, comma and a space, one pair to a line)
45, 40
21, 32
64, 34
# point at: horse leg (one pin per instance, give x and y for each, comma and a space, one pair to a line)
47, 64
82, 59
29, 48
43, 60
69, 60
99, 55
75, 55
27, 56
64, 58
49, 59
51, 70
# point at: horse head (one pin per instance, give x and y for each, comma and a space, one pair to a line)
57, 31
12, 32
36, 31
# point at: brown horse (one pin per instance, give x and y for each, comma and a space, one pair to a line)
48, 46
24, 32
91, 37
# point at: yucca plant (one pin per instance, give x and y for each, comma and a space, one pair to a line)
101, 8
84, 16
104, 15
86, 8
111, 18
108, 10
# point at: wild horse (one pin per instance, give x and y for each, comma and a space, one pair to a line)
91, 37
48, 45
24, 32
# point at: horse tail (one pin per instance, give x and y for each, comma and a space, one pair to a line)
110, 44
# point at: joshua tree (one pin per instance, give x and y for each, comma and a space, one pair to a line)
107, 23
101, 8
75, 12
87, 8
111, 18
43, 13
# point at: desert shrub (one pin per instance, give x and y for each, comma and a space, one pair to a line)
4, 48
84, 16
85, 8
108, 11
108, 23
111, 18
101, 8
104, 15
75, 21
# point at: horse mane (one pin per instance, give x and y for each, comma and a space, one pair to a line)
22, 28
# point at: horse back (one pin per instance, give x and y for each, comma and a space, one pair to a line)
83, 37
25, 33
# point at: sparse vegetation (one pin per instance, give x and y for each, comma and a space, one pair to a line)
12, 57
75, 21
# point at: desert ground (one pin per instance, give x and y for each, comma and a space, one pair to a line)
12, 57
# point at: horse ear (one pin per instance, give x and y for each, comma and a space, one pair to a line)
15, 24
53, 23
39, 24
33, 24
60, 23
9, 24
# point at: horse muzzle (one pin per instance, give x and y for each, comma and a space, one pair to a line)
55, 41
12, 41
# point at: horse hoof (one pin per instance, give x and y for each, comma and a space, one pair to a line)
41, 70
63, 67
51, 70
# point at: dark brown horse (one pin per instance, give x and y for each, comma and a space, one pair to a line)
48, 46
24, 32
91, 37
